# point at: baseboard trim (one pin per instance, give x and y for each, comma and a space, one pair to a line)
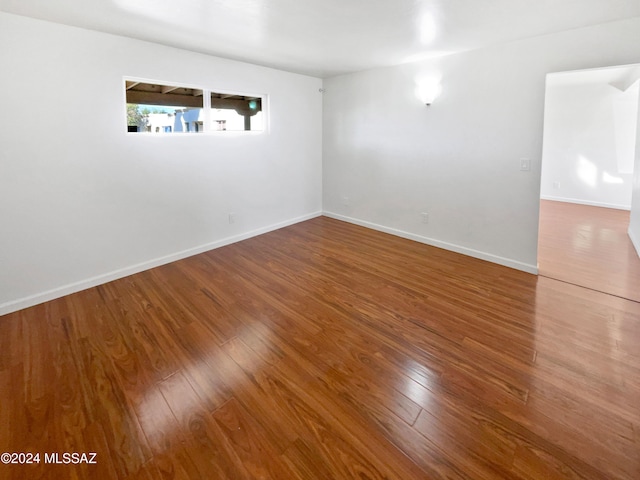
506, 262
30, 301
586, 202
635, 241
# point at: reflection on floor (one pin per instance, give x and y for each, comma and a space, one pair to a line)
590, 247
325, 350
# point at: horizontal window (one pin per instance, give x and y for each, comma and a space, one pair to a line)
163, 108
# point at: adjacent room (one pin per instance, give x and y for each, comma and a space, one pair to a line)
589, 146
319, 239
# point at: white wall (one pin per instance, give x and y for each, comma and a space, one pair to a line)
589, 142
634, 223
82, 202
458, 159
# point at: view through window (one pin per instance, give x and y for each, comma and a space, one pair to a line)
159, 108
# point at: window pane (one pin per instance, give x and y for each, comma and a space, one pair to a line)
163, 108
235, 112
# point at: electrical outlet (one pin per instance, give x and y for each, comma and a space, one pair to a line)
525, 164
556, 185
232, 218
345, 201
425, 217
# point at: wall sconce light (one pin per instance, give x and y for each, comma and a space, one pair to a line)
427, 91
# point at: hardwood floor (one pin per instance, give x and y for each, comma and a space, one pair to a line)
325, 351
588, 246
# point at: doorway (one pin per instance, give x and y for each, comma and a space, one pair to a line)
590, 133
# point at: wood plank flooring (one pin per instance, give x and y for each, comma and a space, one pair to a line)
325, 351
588, 246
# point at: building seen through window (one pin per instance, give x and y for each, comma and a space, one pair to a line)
160, 108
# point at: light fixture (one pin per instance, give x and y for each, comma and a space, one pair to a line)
428, 90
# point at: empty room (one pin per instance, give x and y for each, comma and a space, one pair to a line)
319, 239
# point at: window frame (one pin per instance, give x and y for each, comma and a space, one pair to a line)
208, 122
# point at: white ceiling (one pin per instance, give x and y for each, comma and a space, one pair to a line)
327, 37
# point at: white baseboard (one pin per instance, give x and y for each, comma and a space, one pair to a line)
586, 202
635, 241
507, 262
30, 301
